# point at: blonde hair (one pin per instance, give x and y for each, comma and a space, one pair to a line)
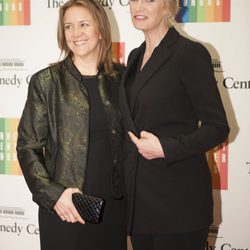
173, 6
103, 28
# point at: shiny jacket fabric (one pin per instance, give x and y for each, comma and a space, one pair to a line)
53, 132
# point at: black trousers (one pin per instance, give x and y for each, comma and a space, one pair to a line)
110, 234
185, 241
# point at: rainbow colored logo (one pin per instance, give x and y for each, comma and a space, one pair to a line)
118, 49
218, 165
14, 12
204, 11
8, 138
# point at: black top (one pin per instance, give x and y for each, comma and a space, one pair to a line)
97, 119
99, 160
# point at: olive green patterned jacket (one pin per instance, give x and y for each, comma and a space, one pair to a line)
54, 128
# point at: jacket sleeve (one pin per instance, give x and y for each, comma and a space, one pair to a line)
197, 76
32, 139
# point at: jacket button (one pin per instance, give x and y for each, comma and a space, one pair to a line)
107, 103
115, 161
113, 131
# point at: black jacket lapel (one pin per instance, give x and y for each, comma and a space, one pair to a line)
123, 101
160, 55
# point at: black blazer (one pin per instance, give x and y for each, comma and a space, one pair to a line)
175, 96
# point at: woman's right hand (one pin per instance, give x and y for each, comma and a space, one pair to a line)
65, 207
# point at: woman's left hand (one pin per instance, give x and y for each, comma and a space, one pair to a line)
148, 145
65, 208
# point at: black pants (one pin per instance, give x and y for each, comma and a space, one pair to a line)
186, 241
110, 234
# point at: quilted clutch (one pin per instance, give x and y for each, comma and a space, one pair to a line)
89, 207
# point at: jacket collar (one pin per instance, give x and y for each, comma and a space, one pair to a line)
72, 68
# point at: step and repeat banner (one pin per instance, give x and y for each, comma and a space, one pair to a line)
28, 43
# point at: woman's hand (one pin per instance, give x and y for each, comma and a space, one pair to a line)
148, 145
65, 207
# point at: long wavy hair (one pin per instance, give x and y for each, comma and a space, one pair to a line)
103, 28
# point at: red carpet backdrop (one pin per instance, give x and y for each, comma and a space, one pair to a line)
28, 43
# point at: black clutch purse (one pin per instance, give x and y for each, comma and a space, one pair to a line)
89, 207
